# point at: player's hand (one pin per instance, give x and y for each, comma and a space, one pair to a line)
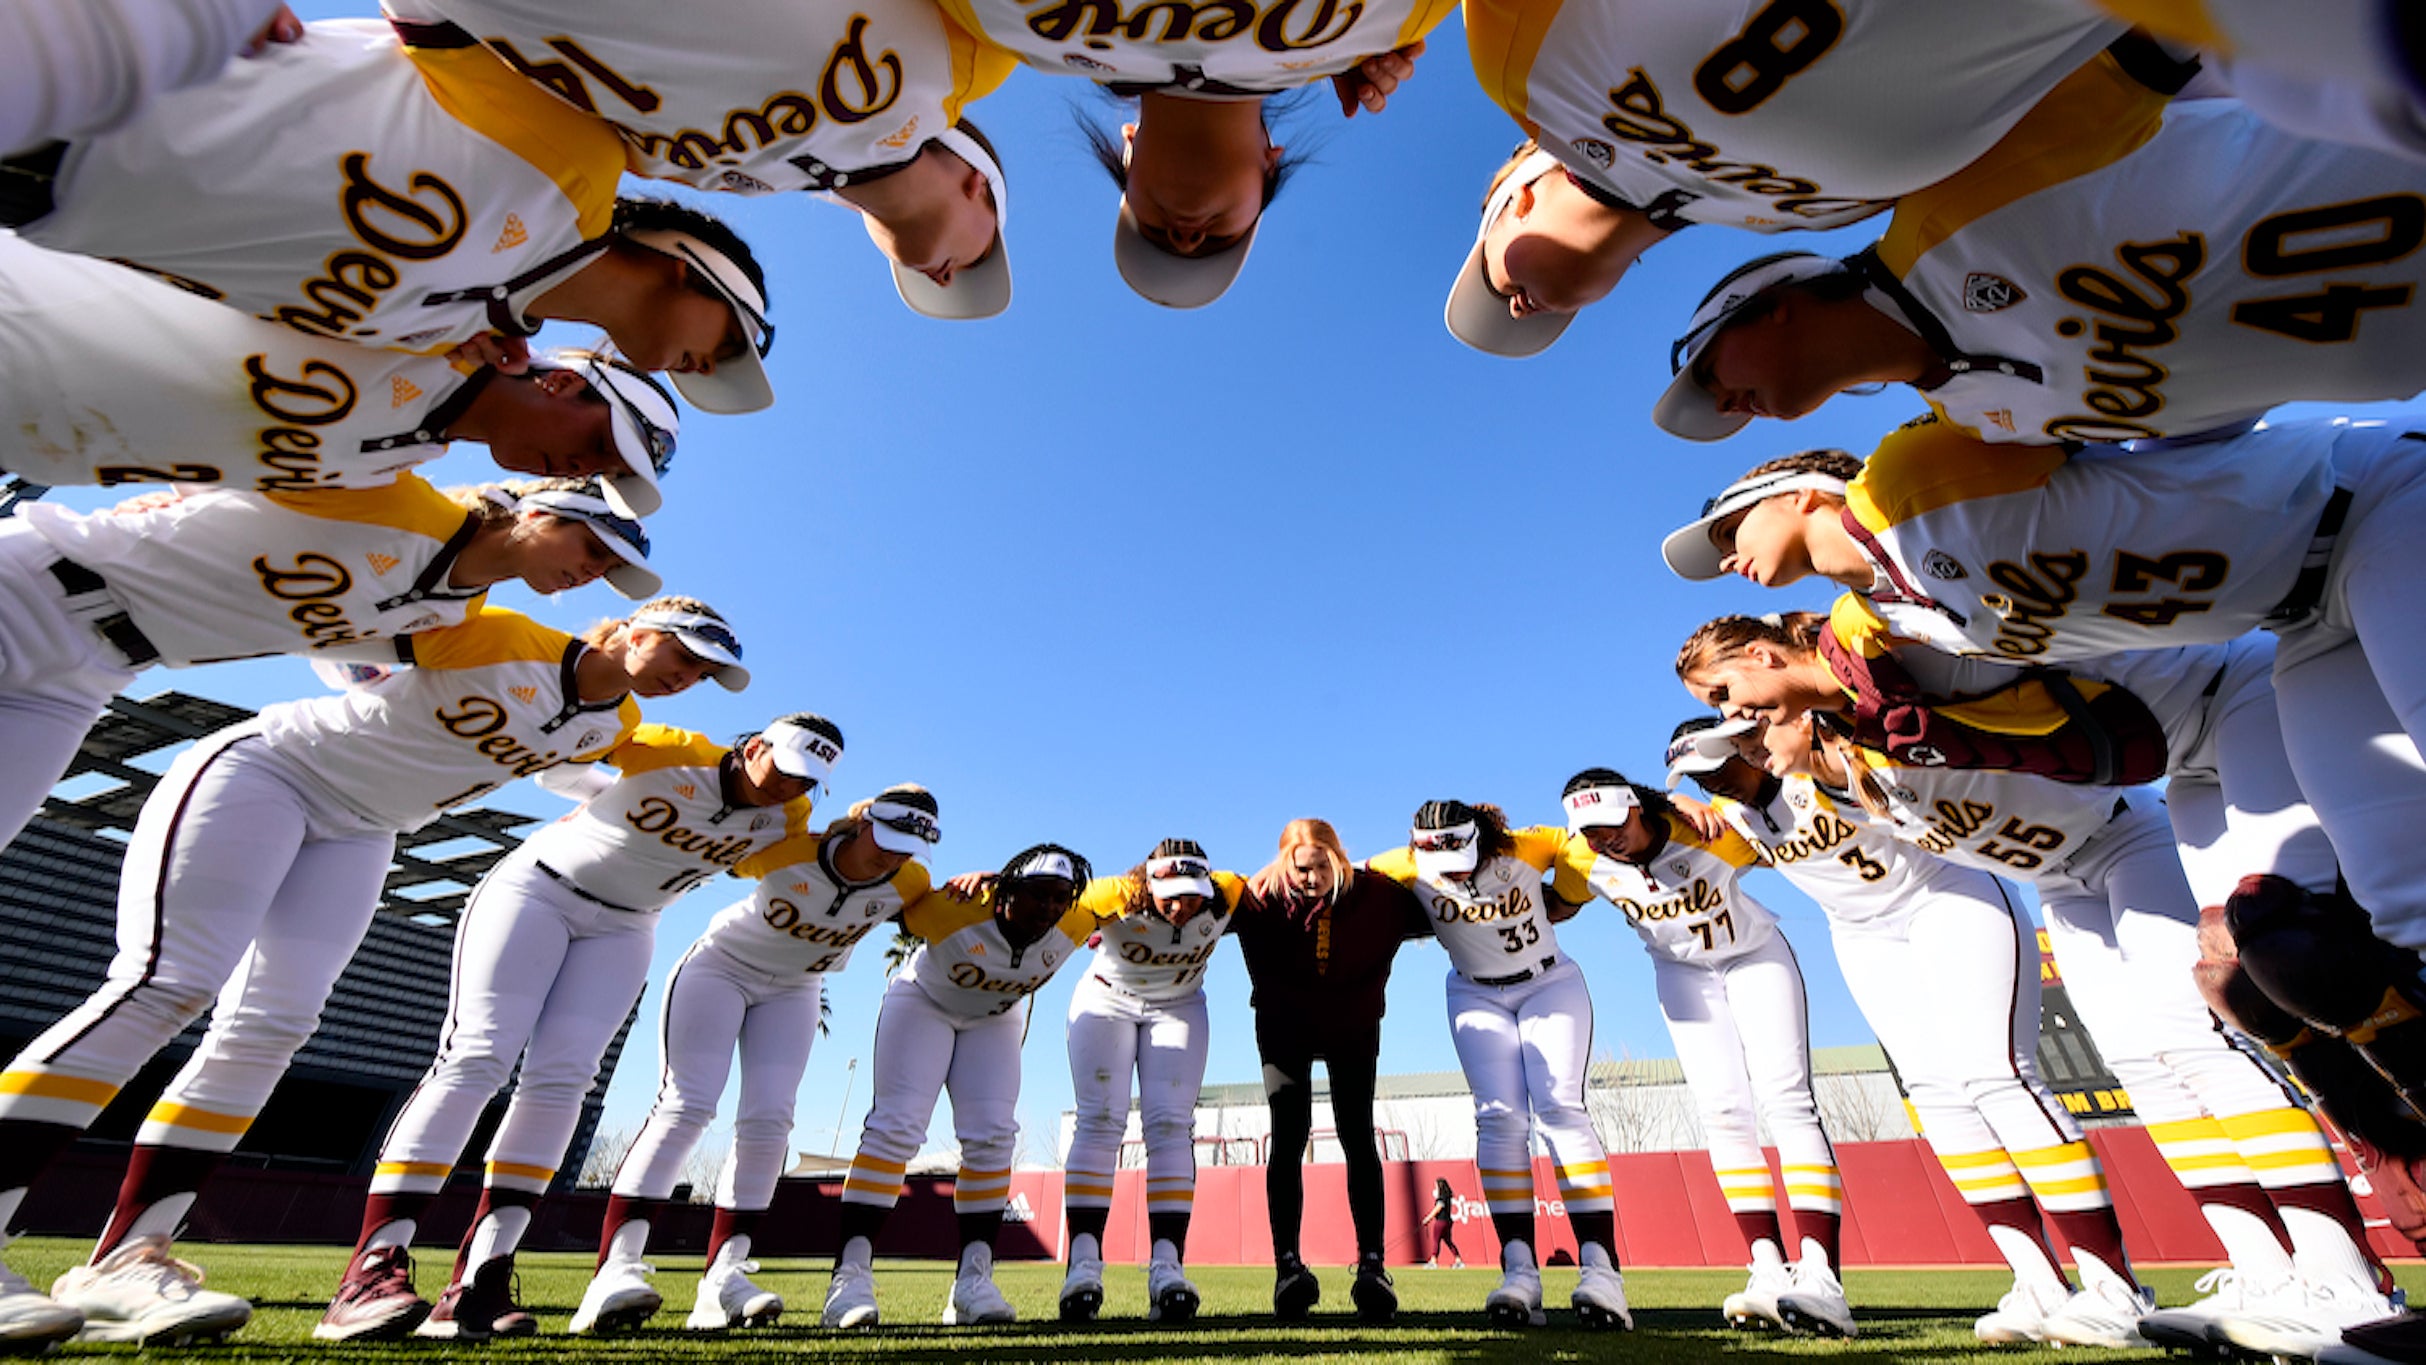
968, 886
1371, 82
283, 28
509, 355
1706, 821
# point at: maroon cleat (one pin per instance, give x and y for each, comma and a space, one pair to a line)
376, 1302
481, 1309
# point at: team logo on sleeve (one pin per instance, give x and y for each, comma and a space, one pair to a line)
1939, 564
1073, 59
759, 822
1594, 150
1926, 755
1986, 293
746, 184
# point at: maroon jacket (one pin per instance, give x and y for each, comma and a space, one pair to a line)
1321, 969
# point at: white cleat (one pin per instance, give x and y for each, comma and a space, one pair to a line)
142, 1294
2308, 1317
1082, 1290
851, 1298
2021, 1315
1170, 1296
1815, 1301
2222, 1293
30, 1319
1755, 1305
1517, 1302
2105, 1313
1600, 1292
619, 1299
975, 1301
727, 1299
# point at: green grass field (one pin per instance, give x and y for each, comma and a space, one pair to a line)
1905, 1315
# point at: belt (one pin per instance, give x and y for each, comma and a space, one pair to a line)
567, 883
117, 627
2309, 588
27, 182
1516, 978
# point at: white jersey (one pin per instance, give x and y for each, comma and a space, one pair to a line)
1833, 852
753, 99
1776, 114
337, 184
2004, 823
1496, 923
668, 824
1979, 548
805, 917
2129, 290
968, 968
1683, 900
111, 377
209, 575
484, 703
1231, 48
1143, 955
80, 66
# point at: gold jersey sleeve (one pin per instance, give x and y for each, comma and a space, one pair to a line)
1928, 464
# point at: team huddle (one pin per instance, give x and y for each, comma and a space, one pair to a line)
2106, 252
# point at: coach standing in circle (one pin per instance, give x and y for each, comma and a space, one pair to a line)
1522, 1021
1319, 935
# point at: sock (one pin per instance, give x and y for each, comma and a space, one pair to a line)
1595, 1228
26, 1150
497, 1228
2322, 1242
622, 1212
1819, 1229
861, 1223
9, 1200
1169, 1227
1760, 1225
1088, 1223
390, 1220
1164, 1251
857, 1251
2095, 1239
2013, 1224
729, 1239
2253, 1237
159, 1188
979, 1228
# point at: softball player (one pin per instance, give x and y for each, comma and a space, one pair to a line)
1777, 116
862, 102
550, 956
76, 67
196, 576
1732, 994
109, 377
951, 1021
1141, 1009
410, 192
1198, 165
2121, 920
2038, 556
756, 980
1521, 1018
2121, 292
253, 872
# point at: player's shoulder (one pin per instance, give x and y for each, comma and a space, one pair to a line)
1538, 846
408, 503
913, 882
491, 637
1397, 864
653, 746
938, 914
1108, 898
1233, 889
1930, 463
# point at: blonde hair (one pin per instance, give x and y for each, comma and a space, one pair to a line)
1715, 642
1507, 168
1312, 833
853, 820
600, 632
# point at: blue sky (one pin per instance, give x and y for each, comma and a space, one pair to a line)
1103, 573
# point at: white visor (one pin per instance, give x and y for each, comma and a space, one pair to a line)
1705, 751
1687, 409
976, 291
739, 384
1599, 806
644, 421
898, 828
633, 577
1478, 315
704, 636
1455, 849
1046, 864
1689, 550
1180, 875
802, 752
1174, 281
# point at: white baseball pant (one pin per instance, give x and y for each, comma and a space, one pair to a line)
78, 67
1112, 1035
56, 674
1525, 1049
923, 1050
1743, 1036
241, 882
2236, 805
713, 1003
541, 973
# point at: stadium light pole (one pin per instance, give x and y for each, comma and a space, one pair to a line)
850, 1073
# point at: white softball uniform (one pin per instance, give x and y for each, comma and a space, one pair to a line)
2124, 927
1140, 1010
759, 99
755, 980
553, 951
2028, 555
83, 66
350, 186
1520, 1016
1780, 114
1249, 47
1732, 994
948, 1023
257, 862
112, 377
2127, 290
2327, 68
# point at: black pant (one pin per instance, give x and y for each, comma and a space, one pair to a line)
1289, 1089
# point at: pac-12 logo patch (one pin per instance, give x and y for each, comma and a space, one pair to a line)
1926, 755
1083, 63
1939, 564
1986, 293
1594, 150
745, 183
